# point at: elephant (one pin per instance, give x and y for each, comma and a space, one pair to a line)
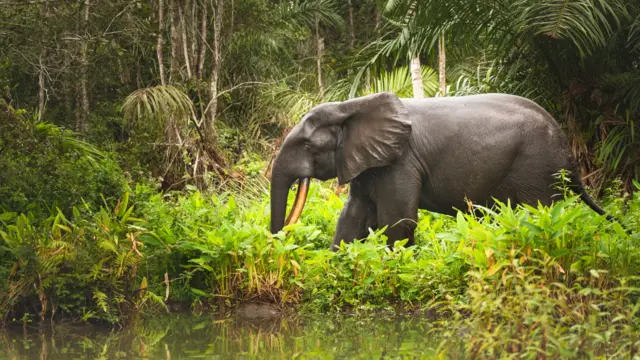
404, 154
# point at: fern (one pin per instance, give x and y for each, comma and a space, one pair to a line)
108, 244
101, 300
155, 299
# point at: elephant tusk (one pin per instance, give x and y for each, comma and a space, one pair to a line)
298, 204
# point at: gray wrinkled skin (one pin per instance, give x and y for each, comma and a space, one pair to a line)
434, 153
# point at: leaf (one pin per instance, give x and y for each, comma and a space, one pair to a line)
295, 264
488, 252
123, 204
576, 266
407, 277
199, 326
126, 216
143, 286
7, 216
198, 292
534, 228
63, 227
496, 267
463, 226
400, 244
594, 273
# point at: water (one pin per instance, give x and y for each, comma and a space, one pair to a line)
188, 336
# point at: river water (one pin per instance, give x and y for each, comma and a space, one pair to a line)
189, 336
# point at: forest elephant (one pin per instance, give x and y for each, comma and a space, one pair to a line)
401, 155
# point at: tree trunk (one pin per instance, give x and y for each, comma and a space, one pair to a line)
215, 65
378, 16
193, 34
416, 77
42, 93
173, 73
319, 54
185, 42
203, 41
83, 114
352, 33
416, 71
160, 41
442, 68
209, 141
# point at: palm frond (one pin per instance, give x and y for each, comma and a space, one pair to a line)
614, 150
287, 104
158, 103
68, 138
338, 90
501, 25
398, 81
626, 87
634, 35
587, 23
303, 14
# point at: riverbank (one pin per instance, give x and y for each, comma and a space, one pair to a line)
535, 279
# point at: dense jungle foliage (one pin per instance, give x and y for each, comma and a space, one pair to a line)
136, 140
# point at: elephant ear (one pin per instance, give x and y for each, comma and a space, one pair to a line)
375, 132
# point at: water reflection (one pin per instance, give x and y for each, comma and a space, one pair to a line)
189, 336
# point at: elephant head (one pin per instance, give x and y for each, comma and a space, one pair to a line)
340, 139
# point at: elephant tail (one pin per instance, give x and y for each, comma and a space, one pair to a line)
578, 187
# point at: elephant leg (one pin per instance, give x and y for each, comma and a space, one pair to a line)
397, 207
357, 216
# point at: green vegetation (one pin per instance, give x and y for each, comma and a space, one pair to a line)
45, 167
160, 194
559, 280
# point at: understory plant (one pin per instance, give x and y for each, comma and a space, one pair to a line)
150, 250
79, 268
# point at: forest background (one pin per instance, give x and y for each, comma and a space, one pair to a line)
178, 107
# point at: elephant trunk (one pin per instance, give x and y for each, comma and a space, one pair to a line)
279, 193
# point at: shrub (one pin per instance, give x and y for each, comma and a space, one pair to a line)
88, 267
43, 166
